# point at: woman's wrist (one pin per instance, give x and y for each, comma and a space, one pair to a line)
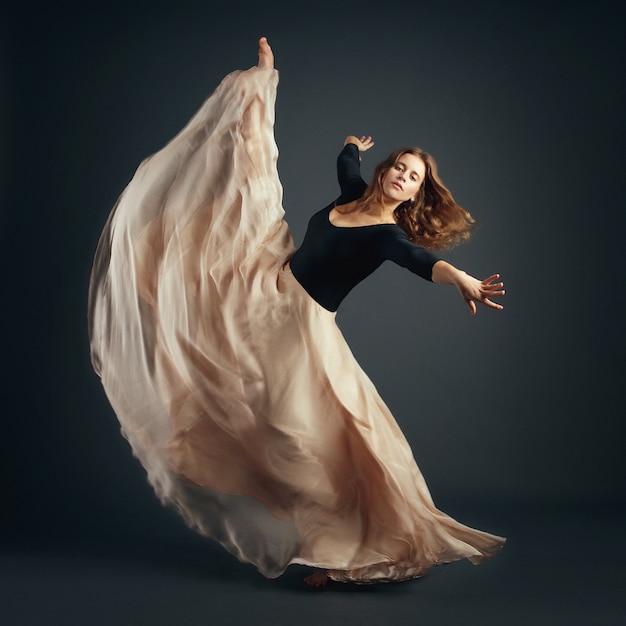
445, 273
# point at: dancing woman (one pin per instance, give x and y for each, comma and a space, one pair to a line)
218, 349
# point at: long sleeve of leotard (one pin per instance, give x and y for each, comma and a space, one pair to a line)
351, 183
396, 246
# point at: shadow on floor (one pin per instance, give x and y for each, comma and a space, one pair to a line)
561, 565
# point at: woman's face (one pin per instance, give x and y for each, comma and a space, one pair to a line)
402, 180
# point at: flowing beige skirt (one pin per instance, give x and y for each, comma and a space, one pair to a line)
235, 389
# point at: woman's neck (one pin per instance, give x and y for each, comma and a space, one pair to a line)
383, 211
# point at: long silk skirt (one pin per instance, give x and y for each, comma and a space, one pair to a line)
235, 389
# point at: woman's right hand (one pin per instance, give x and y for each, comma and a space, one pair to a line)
363, 144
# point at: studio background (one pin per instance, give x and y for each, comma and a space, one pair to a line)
522, 106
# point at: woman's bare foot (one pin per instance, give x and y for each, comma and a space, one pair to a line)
266, 56
317, 579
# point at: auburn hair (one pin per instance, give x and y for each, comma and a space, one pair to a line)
433, 219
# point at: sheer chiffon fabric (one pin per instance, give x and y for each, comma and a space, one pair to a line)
235, 389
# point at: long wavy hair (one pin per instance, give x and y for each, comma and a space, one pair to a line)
433, 219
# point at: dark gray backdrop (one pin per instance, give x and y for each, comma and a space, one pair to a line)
523, 107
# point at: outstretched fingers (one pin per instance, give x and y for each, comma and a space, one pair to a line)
491, 279
486, 300
482, 292
491, 289
489, 283
366, 142
471, 303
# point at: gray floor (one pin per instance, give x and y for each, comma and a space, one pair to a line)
561, 565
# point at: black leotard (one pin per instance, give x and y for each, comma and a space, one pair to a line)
332, 260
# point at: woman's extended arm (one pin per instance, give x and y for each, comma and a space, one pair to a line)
471, 289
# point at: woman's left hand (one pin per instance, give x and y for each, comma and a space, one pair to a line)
473, 290
363, 144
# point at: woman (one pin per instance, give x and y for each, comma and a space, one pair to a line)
217, 346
